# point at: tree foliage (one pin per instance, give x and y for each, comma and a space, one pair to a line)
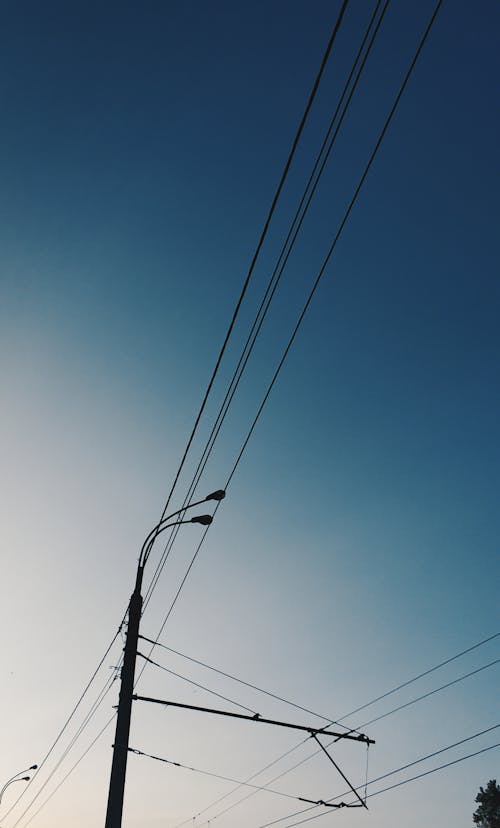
487, 815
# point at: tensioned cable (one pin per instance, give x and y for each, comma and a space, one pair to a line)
84, 724
68, 720
73, 768
328, 719
385, 775
209, 773
195, 683
263, 235
238, 680
406, 781
329, 744
316, 803
376, 719
311, 294
275, 279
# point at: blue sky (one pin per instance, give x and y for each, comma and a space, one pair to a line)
141, 146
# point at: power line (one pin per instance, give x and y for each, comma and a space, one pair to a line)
386, 775
399, 784
67, 722
262, 237
210, 773
329, 719
88, 718
73, 768
420, 675
195, 683
274, 280
240, 681
310, 296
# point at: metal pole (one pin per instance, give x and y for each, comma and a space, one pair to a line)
122, 732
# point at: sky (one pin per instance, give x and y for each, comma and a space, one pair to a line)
357, 546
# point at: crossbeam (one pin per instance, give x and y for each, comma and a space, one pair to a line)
360, 737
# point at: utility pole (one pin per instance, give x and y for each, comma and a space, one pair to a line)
122, 732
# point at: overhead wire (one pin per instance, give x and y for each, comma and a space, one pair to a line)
386, 775
311, 294
277, 273
329, 744
277, 194
68, 720
392, 787
195, 683
209, 773
241, 681
72, 769
83, 726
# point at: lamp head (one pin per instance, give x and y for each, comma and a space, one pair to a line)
205, 520
33, 767
25, 778
217, 495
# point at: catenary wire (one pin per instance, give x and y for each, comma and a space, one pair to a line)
73, 768
329, 744
69, 718
195, 683
84, 724
239, 681
210, 773
376, 719
274, 280
386, 775
402, 782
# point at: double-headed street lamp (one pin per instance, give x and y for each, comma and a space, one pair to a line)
17, 778
120, 747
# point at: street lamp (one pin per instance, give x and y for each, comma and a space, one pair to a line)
17, 778
122, 731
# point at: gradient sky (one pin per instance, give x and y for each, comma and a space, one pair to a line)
357, 547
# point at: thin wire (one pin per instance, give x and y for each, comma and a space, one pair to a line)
263, 235
432, 692
421, 675
399, 784
210, 773
387, 774
73, 768
69, 719
241, 681
195, 684
90, 715
272, 286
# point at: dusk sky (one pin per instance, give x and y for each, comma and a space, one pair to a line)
357, 547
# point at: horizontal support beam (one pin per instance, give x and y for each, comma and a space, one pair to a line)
360, 737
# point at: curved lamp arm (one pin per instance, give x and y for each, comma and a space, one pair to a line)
15, 778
